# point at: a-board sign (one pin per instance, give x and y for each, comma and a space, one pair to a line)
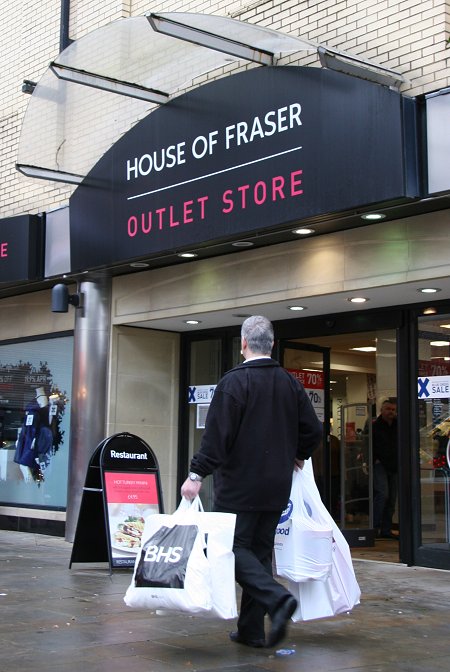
131, 492
122, 487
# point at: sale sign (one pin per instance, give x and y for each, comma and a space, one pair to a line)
313, 382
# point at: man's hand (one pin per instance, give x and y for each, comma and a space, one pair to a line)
190, 489
299, 464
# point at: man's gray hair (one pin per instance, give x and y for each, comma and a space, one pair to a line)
258, 332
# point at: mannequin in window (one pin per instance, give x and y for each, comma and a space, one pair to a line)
35, 439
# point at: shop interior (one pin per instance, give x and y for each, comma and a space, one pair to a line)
362, 373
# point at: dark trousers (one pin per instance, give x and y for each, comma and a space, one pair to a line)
385, 498
253, 547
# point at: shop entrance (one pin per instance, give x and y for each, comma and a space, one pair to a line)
347, 376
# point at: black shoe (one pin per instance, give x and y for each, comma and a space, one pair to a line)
255, 643
280, 621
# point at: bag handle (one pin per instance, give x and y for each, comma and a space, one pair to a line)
297, 483
190, 505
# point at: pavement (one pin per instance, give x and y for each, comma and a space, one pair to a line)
58, 619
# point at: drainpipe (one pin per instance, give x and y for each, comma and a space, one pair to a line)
64, 39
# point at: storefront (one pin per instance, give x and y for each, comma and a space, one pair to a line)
194, 215
35, 388
350, 362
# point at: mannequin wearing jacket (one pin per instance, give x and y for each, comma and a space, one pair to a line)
35, 439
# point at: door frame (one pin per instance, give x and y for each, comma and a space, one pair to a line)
287, 344
428, 555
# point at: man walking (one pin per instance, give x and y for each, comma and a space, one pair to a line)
385, 468
259, 426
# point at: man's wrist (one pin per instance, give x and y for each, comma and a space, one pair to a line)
195, 477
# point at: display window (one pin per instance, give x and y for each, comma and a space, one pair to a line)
35, 385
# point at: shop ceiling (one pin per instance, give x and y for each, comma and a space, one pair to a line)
378, 298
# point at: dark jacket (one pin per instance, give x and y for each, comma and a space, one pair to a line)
384, 444
259, 421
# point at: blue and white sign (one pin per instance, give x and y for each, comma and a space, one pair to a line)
200, 394
433, 387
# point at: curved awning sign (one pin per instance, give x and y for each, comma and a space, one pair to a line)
243, 155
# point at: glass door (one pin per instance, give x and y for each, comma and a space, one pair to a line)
310, 364
433, 392
208, 359
356, 487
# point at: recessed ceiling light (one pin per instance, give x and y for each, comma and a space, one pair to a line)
303, 231
242, 316
373, 216
439, 344
429, 311
365, 348
242, 243
445, 326
429, 290
357, 299
192, 321
139, 264
187, 255
296, 308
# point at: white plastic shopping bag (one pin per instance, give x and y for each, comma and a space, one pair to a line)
186, 563
339, 592
337, 595
304, 537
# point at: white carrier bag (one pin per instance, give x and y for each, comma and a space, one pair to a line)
186, 563
304, 537
340, 591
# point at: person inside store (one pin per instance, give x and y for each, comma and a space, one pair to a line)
385, 469
260, 426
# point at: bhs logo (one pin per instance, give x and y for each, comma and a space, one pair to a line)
158, 554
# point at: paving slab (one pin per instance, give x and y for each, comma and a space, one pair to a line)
58, 619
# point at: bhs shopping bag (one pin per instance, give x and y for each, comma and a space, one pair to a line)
164, 557
304, 537
186, 563
340, 592
171, 570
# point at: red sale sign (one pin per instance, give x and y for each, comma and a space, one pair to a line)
313, 382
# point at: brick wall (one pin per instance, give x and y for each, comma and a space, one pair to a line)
408, 36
